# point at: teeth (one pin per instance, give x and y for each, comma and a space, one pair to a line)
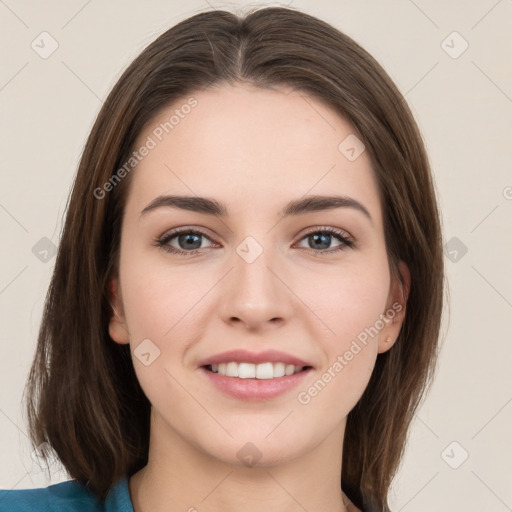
289, 369
258, 371
232, 370
279, 369
246, 370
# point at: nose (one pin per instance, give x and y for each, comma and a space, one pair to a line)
255, 293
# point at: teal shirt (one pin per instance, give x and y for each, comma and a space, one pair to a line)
69, 496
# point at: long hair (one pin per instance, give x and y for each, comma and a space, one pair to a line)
84, 399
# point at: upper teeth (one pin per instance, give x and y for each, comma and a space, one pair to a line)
258, 371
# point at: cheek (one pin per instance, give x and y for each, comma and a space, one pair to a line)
157, 296
349, 300
351, 311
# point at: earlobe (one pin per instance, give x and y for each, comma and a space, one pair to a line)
394, 315
117, 324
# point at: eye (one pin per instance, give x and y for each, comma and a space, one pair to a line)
319, 238
189, 241
187, 238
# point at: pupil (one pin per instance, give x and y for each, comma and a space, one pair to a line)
187, 240
324, 236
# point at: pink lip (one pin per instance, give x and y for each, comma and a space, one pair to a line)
244, 356
254, 389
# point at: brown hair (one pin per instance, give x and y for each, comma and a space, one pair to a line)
84, 399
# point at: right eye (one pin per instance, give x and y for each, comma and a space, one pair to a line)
185, 237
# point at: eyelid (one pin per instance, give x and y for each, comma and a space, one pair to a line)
204, 232
330, 229
184, 229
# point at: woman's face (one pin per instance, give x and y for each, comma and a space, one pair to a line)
262, 274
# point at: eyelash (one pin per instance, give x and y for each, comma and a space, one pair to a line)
340, 235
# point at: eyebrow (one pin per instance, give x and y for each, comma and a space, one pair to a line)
308, 204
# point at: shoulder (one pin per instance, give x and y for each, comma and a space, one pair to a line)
69, 496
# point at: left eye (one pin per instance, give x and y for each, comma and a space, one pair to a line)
190, 239
322, 238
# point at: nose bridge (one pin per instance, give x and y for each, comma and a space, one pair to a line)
255, 293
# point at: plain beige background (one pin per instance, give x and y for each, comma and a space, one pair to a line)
459, 86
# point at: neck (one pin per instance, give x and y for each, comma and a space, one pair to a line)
180, 474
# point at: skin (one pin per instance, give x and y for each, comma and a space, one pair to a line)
254, 150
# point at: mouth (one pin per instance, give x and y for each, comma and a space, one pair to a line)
247, 375
263, 371
254, 382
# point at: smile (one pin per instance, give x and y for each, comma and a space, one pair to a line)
253, 384
266, 370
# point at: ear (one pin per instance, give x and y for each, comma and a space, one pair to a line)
117, 325
394, 315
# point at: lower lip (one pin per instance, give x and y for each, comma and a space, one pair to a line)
255, 389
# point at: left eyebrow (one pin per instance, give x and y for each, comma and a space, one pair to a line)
296, 207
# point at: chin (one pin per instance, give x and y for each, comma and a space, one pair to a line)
257, 450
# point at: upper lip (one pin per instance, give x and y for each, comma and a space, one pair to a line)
244, 356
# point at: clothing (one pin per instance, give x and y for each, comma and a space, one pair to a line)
69, 496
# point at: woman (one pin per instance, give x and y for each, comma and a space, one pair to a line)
199, 350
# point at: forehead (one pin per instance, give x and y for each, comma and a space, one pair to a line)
250, 146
